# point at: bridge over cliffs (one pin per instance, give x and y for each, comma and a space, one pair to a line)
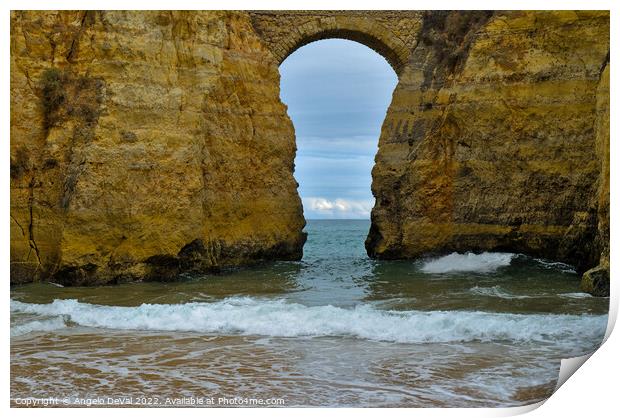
147, 143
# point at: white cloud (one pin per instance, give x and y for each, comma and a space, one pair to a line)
320, 207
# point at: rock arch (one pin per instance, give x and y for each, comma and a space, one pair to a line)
384, 32
497, 138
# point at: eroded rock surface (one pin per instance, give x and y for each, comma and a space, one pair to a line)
490, 144
146, 144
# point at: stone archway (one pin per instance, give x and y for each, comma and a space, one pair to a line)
388, 33
459, 73
496, 137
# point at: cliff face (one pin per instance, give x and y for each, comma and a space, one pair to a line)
596, 280
489, 144
146, 144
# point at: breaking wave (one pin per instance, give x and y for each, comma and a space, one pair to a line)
278, 318
468, 262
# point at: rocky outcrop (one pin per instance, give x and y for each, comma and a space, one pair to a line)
596, 280
489, 141
147, 144
144, 144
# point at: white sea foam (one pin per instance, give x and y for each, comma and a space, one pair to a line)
575, 295
278, 318
44, 325
468, 262
496, 291
556, 265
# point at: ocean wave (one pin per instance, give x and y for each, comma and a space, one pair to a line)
469, 262
45, 325
278, 318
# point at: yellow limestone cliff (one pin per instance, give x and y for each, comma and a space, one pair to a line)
144, 144
147, 144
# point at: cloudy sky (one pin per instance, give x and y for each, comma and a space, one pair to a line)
337, 94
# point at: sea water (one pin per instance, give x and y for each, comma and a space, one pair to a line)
335, 329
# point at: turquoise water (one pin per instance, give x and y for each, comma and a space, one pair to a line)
335, 329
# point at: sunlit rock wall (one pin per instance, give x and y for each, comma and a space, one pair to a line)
489, 143
144, 144
147, 144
